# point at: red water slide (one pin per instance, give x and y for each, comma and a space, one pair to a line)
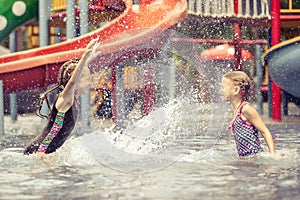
139, 32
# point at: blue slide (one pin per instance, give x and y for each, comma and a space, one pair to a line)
283, 61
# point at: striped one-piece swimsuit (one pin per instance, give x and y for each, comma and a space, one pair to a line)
245, 135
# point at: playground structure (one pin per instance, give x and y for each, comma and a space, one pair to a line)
139, 31
256, 14
120, 37
284, 68
16, 13
284, 64
289, 19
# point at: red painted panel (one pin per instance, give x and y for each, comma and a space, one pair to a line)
136, 32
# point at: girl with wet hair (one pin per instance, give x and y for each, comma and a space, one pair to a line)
246, 122
72, 81
64, 74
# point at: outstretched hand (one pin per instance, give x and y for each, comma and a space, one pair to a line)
91, 49
92, 43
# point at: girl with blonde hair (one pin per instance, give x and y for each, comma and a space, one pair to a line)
246, 122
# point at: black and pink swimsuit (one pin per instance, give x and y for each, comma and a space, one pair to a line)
56, 132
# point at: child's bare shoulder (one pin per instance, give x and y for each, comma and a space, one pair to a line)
249, 110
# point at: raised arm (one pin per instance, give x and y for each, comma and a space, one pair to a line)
83, 62
66, 97
86, 58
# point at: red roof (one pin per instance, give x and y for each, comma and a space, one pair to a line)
223, 52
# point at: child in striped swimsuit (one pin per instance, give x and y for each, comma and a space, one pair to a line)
246, 122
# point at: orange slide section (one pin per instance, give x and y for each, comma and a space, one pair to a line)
139, 32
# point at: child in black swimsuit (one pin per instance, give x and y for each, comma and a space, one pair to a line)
73, 80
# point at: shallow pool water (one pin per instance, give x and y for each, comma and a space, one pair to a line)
189, 165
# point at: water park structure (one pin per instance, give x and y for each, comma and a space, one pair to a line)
148, 26
136, 30
289, 19
266, 15
178, 147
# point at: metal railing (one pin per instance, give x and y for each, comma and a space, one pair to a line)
290, 7
225, 8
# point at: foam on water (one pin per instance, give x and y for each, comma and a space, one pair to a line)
152, 142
